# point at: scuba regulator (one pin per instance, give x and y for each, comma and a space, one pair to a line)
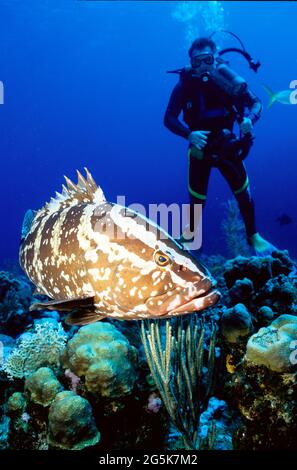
223, 75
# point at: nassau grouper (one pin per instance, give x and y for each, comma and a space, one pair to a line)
98, 259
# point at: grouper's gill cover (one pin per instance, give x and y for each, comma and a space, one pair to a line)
98, 259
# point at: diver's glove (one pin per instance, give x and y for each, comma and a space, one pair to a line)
261, 246
246, 126
199, 138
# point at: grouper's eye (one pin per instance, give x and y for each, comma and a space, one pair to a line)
162, 259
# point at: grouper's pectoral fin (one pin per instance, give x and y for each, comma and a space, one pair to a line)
83, 317
65, 305
82, 311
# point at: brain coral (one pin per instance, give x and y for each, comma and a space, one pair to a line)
42, 386
71, 422
101, 354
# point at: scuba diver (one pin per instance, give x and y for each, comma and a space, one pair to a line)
213, 97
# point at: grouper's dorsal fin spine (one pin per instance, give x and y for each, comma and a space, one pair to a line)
86, 190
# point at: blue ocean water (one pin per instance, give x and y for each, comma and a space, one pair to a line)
85, 84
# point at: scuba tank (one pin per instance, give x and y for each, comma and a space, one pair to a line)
228, 80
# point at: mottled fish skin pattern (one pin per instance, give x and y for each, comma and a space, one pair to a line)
68, 253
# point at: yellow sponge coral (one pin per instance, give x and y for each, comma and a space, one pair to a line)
272, 346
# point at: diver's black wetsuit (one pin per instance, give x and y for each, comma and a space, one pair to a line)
205, 106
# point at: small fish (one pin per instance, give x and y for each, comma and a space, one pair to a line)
27, 222
131, 272
283, 97
284, 219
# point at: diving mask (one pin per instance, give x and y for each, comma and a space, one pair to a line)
197, 60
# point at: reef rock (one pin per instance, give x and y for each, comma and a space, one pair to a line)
265, 314
241, 290
236, 323
267, 402
217, 420
258, 270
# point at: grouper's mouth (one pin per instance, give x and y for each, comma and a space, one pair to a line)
200, 302
204, 296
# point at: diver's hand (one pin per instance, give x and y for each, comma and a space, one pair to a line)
246, 125
199, 138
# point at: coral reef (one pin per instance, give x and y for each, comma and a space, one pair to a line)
258, 270
272, 346
16, 404
154, 403
177, 369
42, 347
236, 323
267, 403
259, 380
7, 344
270, 281
265, 315
101, 354
4, 432
71, 422
223, 380
217, 420
241, 290
234, 231
34, 373
42, 386
15, 298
